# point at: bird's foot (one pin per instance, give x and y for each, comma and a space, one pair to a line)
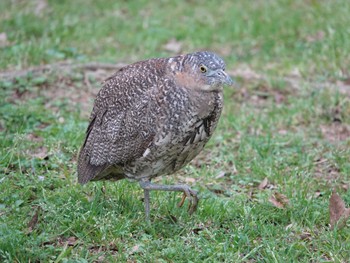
187, 191
192, 197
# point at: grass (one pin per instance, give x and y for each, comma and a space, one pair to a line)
290, 126
307, 37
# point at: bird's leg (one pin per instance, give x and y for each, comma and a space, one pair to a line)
188, 192
103, 189
146, 200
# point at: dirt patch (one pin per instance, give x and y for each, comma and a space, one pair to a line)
78, 93
326, 170
260, 95
336, 132
293, 81
75, 89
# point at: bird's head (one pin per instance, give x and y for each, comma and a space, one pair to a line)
206, 69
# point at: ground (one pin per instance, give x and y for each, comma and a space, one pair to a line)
265, 178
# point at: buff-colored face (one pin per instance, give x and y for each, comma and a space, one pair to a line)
201, 71
209, 68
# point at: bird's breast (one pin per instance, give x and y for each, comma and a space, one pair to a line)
182, 134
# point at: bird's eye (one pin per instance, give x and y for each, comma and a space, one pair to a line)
203, 69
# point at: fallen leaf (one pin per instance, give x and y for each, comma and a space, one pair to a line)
40, 6
201, 226
318, 193
234, 169
221, 174
111, 248
135, 249
34, 138
71, 241
101, 258
338, 213
251, 195
346, 81
279, 98
190, 180
295, 72
215, 188
289, 226
282, 132
172, 218
318, 36
336, 207
279, 200
305, 236
197, 230
263, 184
34, 221
173, 46
40, 153
187, 180
3, 40
335, 132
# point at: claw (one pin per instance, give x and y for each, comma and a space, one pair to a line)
187, 193
181, 203
193, 200
192, 206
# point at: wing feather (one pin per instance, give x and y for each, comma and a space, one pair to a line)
120, 129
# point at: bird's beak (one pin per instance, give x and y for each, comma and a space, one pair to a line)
225, 78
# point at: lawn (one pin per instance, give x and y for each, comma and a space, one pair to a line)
265, 178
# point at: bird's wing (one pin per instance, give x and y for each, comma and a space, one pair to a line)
121, 126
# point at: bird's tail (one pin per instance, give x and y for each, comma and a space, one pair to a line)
87, 171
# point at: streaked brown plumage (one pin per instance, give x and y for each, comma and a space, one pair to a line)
151, 118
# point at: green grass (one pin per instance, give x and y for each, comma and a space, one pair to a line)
292, 129
276, 35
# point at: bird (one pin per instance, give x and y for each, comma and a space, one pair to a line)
151, 118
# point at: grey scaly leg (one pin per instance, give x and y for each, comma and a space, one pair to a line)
146, 200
